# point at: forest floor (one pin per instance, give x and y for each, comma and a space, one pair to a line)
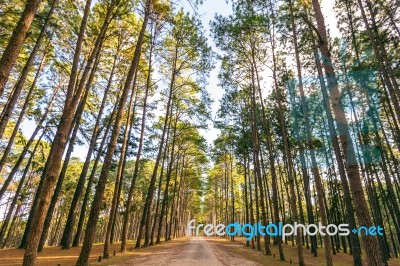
196, 251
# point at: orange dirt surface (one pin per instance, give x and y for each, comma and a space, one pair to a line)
225, 250
54, 256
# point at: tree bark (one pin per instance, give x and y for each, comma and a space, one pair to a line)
21, 157
21, 116
168, 179
69, 226
53, 162
147, 206
94, 212
121, 167
17, 39
60, 181
18, 192
370, 243
6, 113
78, 192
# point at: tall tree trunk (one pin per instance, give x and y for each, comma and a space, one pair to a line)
78, 193
126, 218
60, 181
370, 243
12, 226
257, 170
137, 161
21, 157
6, 113
246, 187
21, 116
149, 197
94, 212
18, 192
17, 39
353, 238
53, 162
172, 213
157, 215
168, 179
163, 205
70, 223
121, 167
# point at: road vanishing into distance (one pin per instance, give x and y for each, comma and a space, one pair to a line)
197, 251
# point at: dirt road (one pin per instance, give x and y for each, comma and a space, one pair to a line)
197, 251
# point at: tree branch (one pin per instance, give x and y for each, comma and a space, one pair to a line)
306, 20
